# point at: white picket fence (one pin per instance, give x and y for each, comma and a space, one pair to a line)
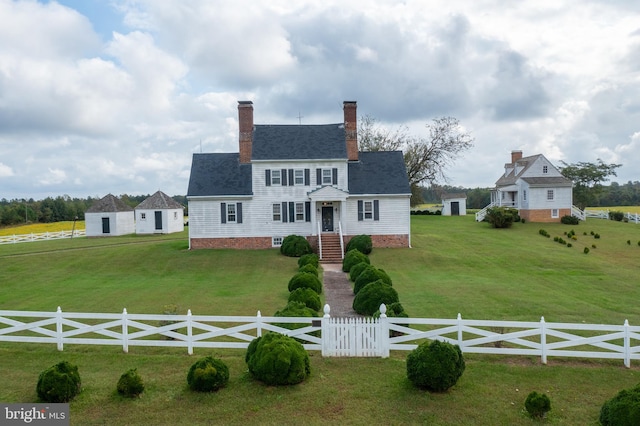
363, 337
44, 236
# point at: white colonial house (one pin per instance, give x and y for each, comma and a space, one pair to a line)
159, 214
307, 180
109, 216
535, 187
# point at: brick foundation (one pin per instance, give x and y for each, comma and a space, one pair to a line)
232, 243
543, 215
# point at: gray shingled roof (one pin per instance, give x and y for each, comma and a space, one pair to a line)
453, 196
301, 142
526, 162
381, 172
219, 174
109, 204
551, 180
159, 201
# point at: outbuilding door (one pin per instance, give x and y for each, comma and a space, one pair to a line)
158, 221
455, 208
106, 226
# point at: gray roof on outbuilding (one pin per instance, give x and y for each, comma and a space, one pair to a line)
380, 172
219, 174
299, 142
159, 201
109, 204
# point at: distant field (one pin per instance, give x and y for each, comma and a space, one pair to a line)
38, 228
455, 266
624, 209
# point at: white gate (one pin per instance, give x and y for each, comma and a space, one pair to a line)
358, 337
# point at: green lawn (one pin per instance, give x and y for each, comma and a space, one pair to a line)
455, 265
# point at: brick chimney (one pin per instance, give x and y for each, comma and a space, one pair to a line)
351, 129
515, 156
245, 120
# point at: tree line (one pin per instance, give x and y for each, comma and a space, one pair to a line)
58, 209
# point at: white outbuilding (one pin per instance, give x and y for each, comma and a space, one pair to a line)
159, 214
454, 204
109, 216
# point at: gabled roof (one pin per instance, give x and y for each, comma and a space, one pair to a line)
299, 142
109, 204
548, 181
380, 172
159, 201
219, 174
524, 164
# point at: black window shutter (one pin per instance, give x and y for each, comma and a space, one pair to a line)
267, 177
239, 213
376, 210
360, 210
334, 173
307, 211
307, 177
318, 176
223, 212
283, 177
291, 183
284, 211
292, 211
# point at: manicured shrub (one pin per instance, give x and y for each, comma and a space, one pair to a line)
537, 404
309, 269
501, 217
586, 250
616, 215
305, 280
307, 296
276, 359
208, 374
59, 383
596, 236
362, 243
370, 275
296, 309
309, 259
622, 409
356, 270
435, 366
369, 299
544, 233
295, 246
130, 384
353, 257
569, 220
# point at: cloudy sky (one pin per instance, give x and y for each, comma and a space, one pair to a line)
114, 96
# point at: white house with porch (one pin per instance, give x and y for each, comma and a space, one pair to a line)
307, 180
535, 187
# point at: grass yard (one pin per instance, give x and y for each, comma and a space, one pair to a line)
455, 265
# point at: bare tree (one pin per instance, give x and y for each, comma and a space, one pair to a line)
426, 158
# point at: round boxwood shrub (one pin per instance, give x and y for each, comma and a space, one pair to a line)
622, 409
353, 257
356, 269
305, 280
309, 259
362, 243
537, 404
370, 275
394, 310
276, 359
295, 246
435, 366
208, 374
130, 384
369, 299
296, 309
307, 296
59, 383
309, 268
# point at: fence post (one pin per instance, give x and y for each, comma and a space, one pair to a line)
459, 320
543, 340
627, 345
384, 346
59, 328
259, 325
326, 334
125, 330
189, 333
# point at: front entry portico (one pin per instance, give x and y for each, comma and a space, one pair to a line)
328, 205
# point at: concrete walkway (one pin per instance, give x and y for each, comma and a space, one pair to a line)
338, 292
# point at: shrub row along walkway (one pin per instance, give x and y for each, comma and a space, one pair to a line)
338, 293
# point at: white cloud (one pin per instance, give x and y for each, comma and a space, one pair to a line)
5, 171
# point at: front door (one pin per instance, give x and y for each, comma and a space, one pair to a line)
327, 219
106, 228
158, 221
455, 208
